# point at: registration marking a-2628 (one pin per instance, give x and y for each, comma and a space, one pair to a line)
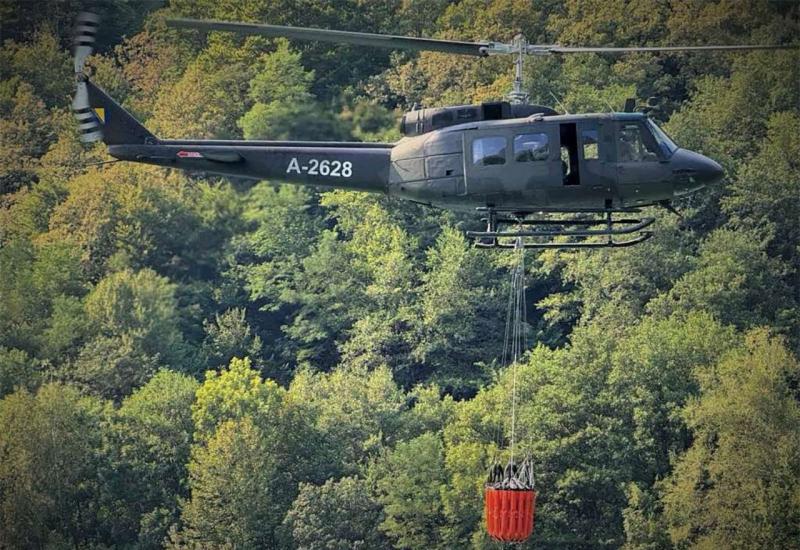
315, 167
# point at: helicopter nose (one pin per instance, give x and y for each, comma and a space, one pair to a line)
692, 171
709, 171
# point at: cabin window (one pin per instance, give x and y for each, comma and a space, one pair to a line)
589, 143
631, 147
531, 147
487, 151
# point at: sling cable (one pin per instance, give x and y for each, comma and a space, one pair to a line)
509, 495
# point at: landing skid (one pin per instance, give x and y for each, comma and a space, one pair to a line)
539, 232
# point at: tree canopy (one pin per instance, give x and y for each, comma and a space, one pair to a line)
195, 362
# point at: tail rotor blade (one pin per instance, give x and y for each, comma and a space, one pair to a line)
85, 35
88, 125
85, 32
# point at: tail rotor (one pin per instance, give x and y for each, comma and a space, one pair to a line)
85, 36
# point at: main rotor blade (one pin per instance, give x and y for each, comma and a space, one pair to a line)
479, 49
348, 37
544, 50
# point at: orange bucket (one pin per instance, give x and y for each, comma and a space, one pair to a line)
509, 513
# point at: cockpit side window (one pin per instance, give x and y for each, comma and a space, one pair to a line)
631, 147
490, 150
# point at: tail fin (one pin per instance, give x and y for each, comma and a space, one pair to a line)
99, 116
102, 117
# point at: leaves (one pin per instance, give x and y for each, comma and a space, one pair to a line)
353, 396
746, 442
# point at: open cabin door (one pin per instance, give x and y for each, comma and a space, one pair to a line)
587, 164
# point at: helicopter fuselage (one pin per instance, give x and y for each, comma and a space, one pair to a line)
549, 162
539, 162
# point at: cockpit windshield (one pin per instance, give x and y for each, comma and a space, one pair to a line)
666, 145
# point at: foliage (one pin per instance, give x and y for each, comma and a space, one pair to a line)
353, 395
49, 467
746, 442
338, 515
357, 410
230, 336
147, 447
407, 484
231, 480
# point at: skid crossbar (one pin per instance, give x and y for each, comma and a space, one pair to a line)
578, 228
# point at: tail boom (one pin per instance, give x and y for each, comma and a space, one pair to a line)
362, 168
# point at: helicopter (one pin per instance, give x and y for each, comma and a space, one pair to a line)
549, 180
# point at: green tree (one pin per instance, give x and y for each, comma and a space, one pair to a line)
141, 304
763, 195
280, 77
292, 121
282, 436
339, 515
39, 280
382, 334
408, 482
653, 372
611, 285
645, 528
147, 448
327, 297
206, 101
135, 321
736, 280
284, 106
17, 370
229, 336
461, 314
25, 134
737, 486
27, 212
49, 467
232, 480
41, 62
232, 394
358, 411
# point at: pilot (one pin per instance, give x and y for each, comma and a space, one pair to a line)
627, 150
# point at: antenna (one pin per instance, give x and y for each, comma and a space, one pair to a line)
558, 102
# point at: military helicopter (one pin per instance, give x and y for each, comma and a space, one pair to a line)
514, 163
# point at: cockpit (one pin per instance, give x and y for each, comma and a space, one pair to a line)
641, 141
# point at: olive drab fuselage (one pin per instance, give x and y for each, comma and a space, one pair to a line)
564, 161
607, 160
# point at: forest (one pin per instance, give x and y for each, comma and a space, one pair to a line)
200, 362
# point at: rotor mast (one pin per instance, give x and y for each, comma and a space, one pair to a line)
517, 94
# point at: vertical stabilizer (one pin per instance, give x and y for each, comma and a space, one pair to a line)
99, 116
